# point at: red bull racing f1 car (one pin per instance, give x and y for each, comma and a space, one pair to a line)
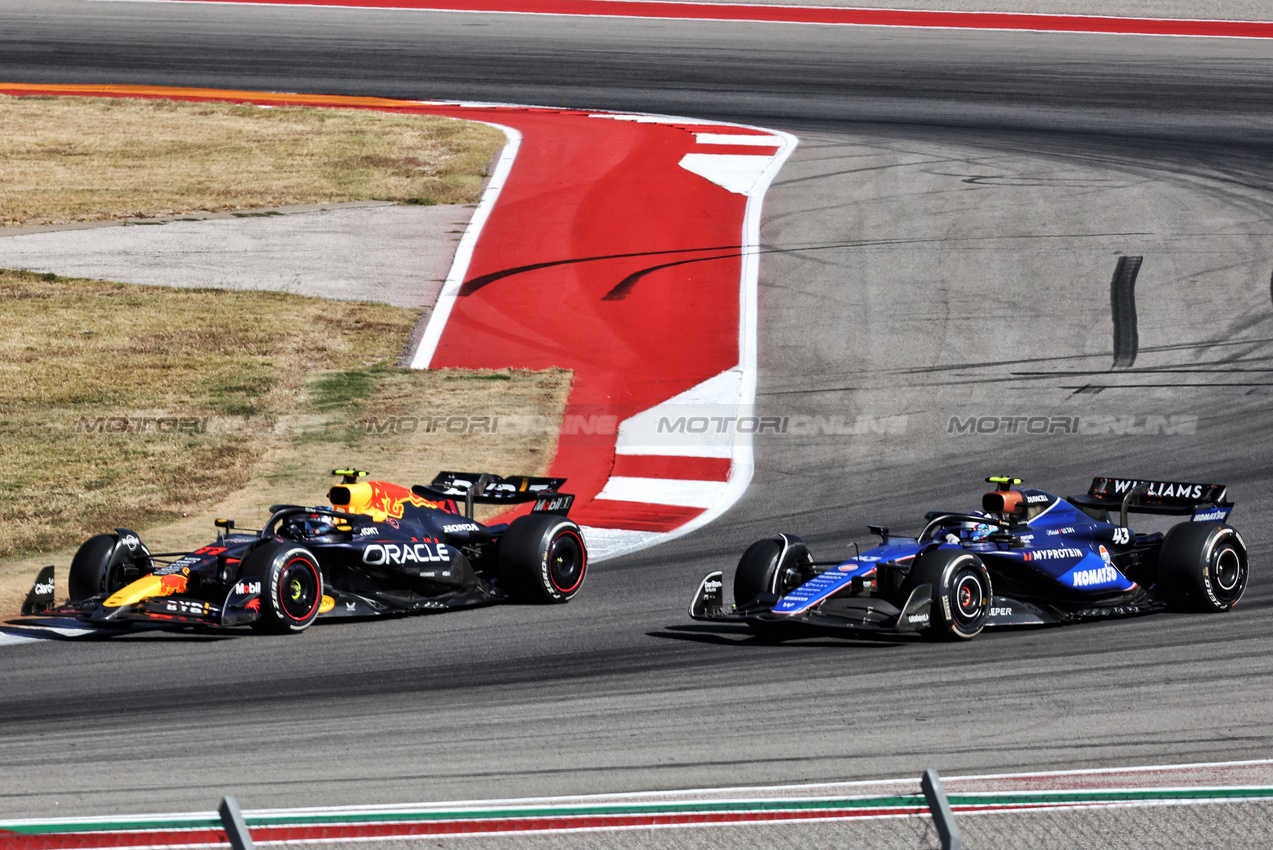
378, 549
1026, 557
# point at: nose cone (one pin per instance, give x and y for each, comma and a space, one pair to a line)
145, 587
106, 614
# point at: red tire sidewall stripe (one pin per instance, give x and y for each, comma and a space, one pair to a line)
318, 584
583, 566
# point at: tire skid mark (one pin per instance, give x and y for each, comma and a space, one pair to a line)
1122, 296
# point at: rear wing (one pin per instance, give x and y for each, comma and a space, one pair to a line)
486, 488
1206, 502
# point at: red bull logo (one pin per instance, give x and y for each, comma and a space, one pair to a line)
170, 584
384, 501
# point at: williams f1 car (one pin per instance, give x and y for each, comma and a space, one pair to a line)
378, 549
1026, 557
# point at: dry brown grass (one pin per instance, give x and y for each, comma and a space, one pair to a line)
285, 384
65, 159
75, 351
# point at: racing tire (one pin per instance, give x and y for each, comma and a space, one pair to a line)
756, 569
291, 586
542, 558
961, 593
757, 573
1202, 567
101, 565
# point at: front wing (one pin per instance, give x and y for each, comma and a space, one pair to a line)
873, 614
856, 614
240, 607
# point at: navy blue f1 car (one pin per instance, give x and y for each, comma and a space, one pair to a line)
1026, 558
379, 549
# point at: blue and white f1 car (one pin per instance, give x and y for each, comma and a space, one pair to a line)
1026, 557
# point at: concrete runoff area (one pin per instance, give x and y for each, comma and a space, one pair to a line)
383, 252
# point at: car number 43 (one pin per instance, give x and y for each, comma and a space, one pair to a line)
1122, 535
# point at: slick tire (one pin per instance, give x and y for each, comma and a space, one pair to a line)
777, 565
1202, 567
542, 558
756, 571
756, 574
291, 586
102, 566
961, 593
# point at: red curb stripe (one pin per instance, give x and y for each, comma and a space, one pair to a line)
566, 822
90, 840
665, 466
737, 150
727, 130
634, 516
133, 838
813, 15
602, 268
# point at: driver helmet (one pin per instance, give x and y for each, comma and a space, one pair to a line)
977, 530
313, 525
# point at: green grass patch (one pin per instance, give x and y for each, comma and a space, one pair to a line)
338, 390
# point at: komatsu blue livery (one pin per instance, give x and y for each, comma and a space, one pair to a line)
1026, 557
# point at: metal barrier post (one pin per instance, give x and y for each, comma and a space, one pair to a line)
939, 806
235, 827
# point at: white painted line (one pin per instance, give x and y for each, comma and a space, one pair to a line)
464, 253
634, 118
39, 632
738, 139
663, 491
687, 450
739, 173
8, 638
651, 118
661, 431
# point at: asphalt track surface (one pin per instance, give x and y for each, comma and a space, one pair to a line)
942, 246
